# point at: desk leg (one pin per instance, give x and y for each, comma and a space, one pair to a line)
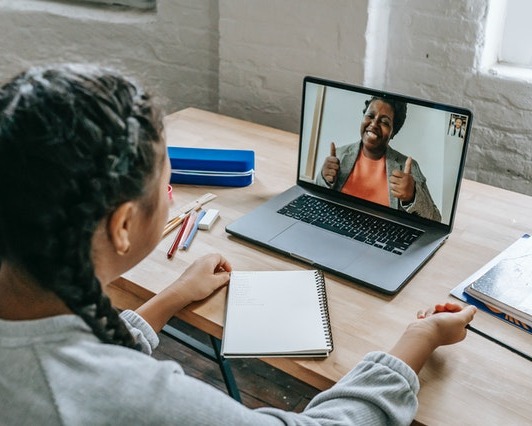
225, 368
212, 353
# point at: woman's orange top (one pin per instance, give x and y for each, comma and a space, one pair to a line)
368, 180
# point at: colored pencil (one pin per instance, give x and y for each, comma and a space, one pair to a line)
178, 236
194, 205
188, 228
194, 230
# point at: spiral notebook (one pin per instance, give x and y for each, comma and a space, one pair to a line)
276, 314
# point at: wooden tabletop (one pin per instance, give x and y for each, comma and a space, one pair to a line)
472, 382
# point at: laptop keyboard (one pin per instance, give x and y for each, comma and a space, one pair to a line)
363, 227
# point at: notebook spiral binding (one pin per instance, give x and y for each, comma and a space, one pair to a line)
324, 307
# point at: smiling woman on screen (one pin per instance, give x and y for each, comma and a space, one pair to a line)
370, 169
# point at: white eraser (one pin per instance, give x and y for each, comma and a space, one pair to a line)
208, 219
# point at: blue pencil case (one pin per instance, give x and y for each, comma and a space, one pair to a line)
209, 166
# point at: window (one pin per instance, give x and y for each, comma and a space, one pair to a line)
515, 48
506, 49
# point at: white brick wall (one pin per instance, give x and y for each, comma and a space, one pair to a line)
267, 47
174, 51
435, 54
246, 58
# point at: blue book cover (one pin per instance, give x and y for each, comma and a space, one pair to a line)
510, 267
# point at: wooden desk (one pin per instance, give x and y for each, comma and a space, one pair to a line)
473, 382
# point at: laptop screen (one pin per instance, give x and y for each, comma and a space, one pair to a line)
396, 153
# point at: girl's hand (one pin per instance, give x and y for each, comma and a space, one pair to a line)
442, 325
446, 322
203, 277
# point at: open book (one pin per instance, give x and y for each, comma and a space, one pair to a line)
503, 287
276, 313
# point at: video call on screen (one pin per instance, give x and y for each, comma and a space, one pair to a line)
432, 135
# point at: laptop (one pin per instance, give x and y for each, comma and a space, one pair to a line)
376, 192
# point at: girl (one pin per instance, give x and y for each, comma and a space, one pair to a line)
83, 177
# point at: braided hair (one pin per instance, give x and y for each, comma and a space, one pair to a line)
76, 141
399, 111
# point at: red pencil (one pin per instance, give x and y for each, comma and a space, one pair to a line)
178, 236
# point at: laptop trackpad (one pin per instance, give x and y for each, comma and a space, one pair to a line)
316, 245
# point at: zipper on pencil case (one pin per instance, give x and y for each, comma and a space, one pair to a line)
211, 173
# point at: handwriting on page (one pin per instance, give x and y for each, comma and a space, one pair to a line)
244, 293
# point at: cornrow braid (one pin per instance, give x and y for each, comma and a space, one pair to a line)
76, 141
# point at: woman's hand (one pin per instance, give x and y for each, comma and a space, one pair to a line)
402, 184
331, 165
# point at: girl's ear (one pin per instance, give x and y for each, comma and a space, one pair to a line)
119, 227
